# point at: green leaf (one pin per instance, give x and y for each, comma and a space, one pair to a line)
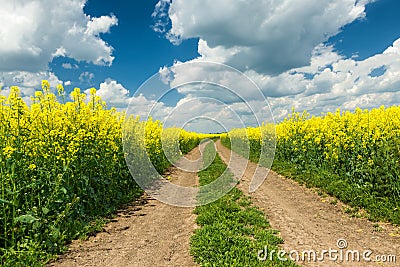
45, 210
27, 218
5, 201
11, 192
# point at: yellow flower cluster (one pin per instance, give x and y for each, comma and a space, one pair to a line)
362, 146
342, 139
148, 140
256, 143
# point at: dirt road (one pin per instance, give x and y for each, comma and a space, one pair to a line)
307, 221
146, 233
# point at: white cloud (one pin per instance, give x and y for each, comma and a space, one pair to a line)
114, 93
194, 113
86, 77
69, 66
160, 16
25, 79
27, 82
60, 52
200, 78
95, 26
322, 56
267, 36
213, 97
203, 114
34, 32
347, 85
204, 109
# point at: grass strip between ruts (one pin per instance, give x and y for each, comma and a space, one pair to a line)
232, 231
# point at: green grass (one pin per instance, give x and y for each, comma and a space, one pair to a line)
233, 231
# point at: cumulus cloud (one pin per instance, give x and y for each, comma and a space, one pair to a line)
267, 36
348, 84
28, 79
114, 93
212, 98
194, 113
201, 78
27, 82
95, 26
203, 114
34, 32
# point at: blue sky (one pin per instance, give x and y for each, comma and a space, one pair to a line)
139, 51
372, 35
317, 55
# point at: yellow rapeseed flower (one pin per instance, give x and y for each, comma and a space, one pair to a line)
32, 166
8, 151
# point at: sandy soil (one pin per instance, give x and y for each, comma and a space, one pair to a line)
307, 221
145, 233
